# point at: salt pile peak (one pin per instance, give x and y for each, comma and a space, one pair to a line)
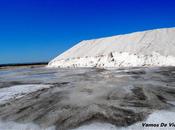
147, 48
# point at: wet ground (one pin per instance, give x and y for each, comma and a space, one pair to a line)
80, 96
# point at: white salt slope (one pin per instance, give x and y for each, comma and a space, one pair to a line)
147, 48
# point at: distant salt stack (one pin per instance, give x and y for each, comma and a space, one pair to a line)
147, 48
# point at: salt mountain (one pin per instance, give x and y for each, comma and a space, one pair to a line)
147, 48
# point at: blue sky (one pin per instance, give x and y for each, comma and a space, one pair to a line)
39, 30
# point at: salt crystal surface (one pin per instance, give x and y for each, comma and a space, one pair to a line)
18, 91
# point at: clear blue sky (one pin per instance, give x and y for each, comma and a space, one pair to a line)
39, 30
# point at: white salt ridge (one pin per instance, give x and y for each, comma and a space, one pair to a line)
18, 91
148, 48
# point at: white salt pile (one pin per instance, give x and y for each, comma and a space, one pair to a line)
148, 48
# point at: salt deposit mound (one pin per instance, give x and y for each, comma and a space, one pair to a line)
147, 48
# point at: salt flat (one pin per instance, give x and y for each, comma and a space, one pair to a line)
83, 98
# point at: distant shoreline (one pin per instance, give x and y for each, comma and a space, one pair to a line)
15, 65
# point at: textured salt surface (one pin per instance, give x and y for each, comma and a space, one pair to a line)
148, 48
17, 126
18, 91
80, 96
157, 117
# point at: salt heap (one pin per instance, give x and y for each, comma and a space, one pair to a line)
147, 48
